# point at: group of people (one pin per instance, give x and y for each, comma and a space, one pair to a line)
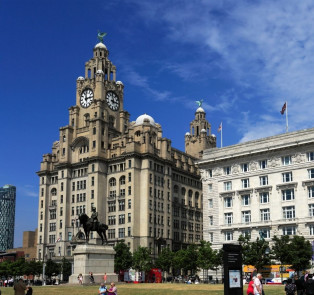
20, 288
255, 286
302, 286
103, 290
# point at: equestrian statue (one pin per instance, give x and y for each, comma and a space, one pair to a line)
92, 224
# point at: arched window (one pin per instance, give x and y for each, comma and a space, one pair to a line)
122, 180
190, 193
112, 181
138, 133
197, 195
183, 190
54, 192
176, 189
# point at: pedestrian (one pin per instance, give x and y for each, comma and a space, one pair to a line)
29, 290
19, 288
258, 286
290, 288
105, 278
91, 278
80, 279
113, 289
102, 289
309, 285
299, 283
250, 288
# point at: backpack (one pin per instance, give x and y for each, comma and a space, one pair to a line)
290, 288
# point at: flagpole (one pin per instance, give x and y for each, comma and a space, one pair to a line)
286, 116
221, 137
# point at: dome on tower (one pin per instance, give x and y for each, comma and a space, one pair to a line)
187, 134
145, 119
100, 72
101, 45
119, 83
80, 78
203, 131
200, 110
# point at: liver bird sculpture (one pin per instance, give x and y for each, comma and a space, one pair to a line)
101, 36
200, 102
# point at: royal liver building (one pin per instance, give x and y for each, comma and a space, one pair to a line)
148, 193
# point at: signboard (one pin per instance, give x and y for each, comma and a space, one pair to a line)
234, 278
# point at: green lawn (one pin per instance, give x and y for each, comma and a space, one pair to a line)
139, 289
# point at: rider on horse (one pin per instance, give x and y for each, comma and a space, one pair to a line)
94, 218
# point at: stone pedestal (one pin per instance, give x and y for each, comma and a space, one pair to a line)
97, 259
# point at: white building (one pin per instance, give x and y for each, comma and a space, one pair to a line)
262, 185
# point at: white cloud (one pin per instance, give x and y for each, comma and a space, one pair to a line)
27, 191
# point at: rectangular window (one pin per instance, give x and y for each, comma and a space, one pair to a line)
263, 180
129, 190
286, 160
311, 227
245, 183
210, 203
227, 170
245, 167
246, 216
93, 181
287, 177
246, 200
311, 191
265, 214
288, 212
288, 194
130, 163
228, 202
111, 233
311, 210
246, 233
211, 220
228, 186
129, 217
264, 197
310, 156
263, 164
94, 144
121, 205
210, 188
121, 219
265, 232
228, 236
228, 218
311, 173
288, 230
121, 232
129, 177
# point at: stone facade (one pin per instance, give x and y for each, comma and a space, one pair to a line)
147, 192
263, 186
29, 245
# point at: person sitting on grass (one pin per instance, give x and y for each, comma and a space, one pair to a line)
102, 289
113, 289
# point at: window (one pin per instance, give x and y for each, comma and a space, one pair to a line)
288, 194
288, 212
245, 183
245, 167
112, 181
246, 216
129, 231
52, 226
286, 160
210, 188
122, 180
264, 197
228, 186
129, 190
228, 236
228, 202
112, 206
246, 200
263, 164
310, 156
62, 186
311, 227
287, 177
111, 220
246, 233
288, 230
265, 232
129, 217
121, 205
121, 232
111, 233
53, 214
311, 173
121, 219
129, 203
311, 191
94, 144
93, 181
211, 220
265, 215
129, 177
210, 203
311, 210
227, 170
130, 163
228, 218
263, 180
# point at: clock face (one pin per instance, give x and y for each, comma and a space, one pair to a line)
112, 100
87, 97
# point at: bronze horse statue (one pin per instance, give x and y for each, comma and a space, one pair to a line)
88, 226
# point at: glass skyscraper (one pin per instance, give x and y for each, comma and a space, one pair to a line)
7, 216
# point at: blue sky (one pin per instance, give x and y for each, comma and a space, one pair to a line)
244, 58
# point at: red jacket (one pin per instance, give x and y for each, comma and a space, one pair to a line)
250, 288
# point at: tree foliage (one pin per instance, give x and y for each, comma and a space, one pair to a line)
142, 260
52, 268
165, 259
301, 250
187, 259
256, 253
123, 257
66, 269
281, 249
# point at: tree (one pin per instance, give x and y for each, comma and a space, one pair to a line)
281, 249
217, 260
165, 259
33, 268
255, 253
187, 259
179, 259
17, 267
5, 268
52, 268
66, 268
205, 257
123, 257
301, 251
142, 260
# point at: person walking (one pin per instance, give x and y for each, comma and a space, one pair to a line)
80, 279
105, 278
19, 288
258, 286
299, 283
250, 288
290, 288
309, 285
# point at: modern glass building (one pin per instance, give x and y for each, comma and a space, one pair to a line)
7, 216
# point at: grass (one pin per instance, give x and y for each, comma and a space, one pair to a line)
141, 289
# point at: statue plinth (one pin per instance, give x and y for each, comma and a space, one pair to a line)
98, 259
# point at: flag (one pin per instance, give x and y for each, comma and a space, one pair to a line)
220, 127
58, 240
283, 108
